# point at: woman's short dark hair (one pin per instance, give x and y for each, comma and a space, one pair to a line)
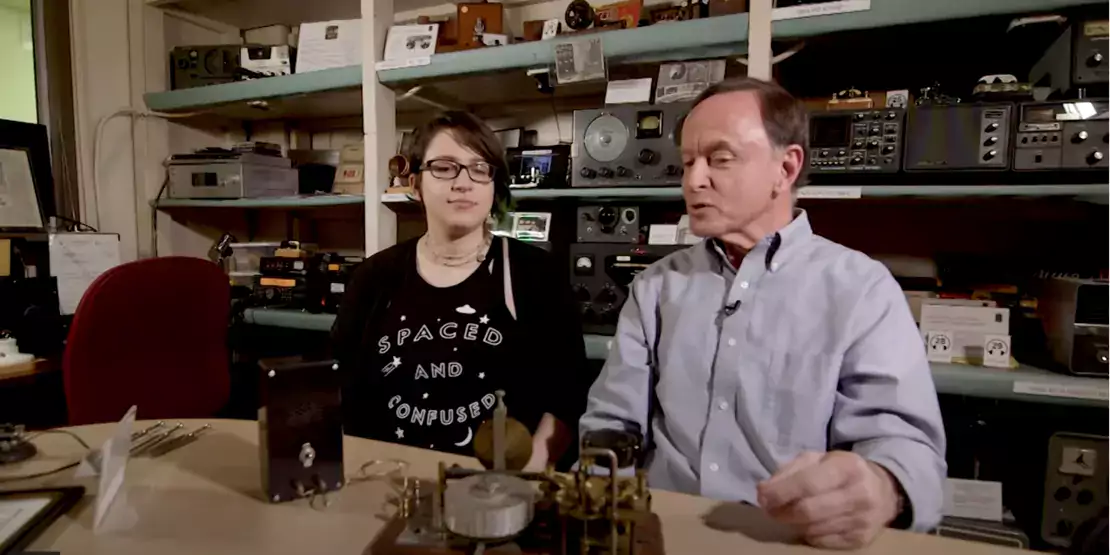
475, 135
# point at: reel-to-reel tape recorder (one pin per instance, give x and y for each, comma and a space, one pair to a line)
628, 145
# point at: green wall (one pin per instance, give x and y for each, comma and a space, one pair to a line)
17, 62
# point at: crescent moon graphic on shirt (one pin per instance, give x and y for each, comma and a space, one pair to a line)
469, 436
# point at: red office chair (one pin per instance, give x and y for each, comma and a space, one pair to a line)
151, 333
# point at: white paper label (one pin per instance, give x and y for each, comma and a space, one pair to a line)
820, 8
973, 499
1094, 391
938, 346
550, 29
394, 197
338, 288
628, 91
663, 234
810, 191
397, 64
298, 265
996, 351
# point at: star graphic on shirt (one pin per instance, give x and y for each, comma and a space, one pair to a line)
425, 395
400, 433
432, 446
484, 319
481, 375
402, 318
396, 361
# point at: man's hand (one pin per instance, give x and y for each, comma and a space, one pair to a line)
837, 500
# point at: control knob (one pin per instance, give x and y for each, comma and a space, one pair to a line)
858, 143
671, 169
992, 126
873, 143
587, 173
1095, 157
887, 149
990, 140
623, 171
990, 155
1095, 60
646, 156
891, 115
605, 173
1080, 136
856, 160
607, 295
582, 293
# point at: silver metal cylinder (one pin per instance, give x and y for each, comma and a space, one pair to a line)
488, 506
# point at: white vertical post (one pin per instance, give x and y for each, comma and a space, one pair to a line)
759, 39
379, 126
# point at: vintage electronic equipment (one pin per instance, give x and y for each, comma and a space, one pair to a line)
856, 141
982, 531
1076, 59
228, 174
283, 266
266, 61
1075, 485
477, 19
316, 169
600, 276
300, 430
545, 167
328, 279
30, 311
579, 15
608, 224
197, 66
277, 291
627, 145
957, 137
592, 510
14, 445
1067, 134
619, 15
1074, 315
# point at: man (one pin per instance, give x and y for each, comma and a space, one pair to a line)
767, 364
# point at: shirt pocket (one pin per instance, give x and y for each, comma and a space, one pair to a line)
799, 391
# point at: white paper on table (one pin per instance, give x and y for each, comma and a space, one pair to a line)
973, 499
77, 259
628, 91
114, 454
329, 44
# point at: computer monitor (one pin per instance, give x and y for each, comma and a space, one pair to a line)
26, 180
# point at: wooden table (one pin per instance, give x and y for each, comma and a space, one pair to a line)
206, 498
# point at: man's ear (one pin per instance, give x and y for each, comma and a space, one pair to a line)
793, 158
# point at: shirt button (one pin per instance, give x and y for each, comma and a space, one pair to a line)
743, 285
723, 405
731, 342
774, 266
713, 467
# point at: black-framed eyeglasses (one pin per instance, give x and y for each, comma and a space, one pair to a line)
479, 172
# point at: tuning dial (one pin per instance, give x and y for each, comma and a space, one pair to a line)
1080, 137
605, 173
990, 155
623, 171
671, 169
887, 149
588, 173
1095, 60
992, 126
990, 141
646, 156
607, 295
1095, 157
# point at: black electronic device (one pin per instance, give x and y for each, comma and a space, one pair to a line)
545, 167
1075, 485
328, 279
856, 141
282, 266
608, 224
197, 66
958, 137
1066, 134
1074, 316
275, 291
29, 310
628, 145
1077, 59
300, 427
601, 274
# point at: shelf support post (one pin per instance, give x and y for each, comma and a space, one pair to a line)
379, 117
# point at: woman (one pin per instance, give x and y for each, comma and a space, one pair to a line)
430, 328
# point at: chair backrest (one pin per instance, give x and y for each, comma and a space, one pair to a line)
151, 333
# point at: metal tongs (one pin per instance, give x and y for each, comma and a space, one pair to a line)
144, 445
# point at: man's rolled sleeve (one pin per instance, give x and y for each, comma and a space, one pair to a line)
619, 398
886, 406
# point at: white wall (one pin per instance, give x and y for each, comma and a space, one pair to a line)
17, 62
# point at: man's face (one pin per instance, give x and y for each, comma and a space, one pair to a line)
733, 173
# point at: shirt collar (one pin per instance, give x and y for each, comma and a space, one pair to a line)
775, 245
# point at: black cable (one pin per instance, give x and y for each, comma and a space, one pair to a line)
63, 432
77, 223
7, 479
154, 215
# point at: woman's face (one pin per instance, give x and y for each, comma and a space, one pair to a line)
461, 203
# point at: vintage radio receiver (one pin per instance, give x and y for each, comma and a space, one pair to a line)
300, 428
1074, 315
856, 141
282, 266
627, 145
1068, 135
1077, 59
545, 167
608, 224
197, 66
601, 274
267, 61
958, 137
280, 291
230, 175
1074, 488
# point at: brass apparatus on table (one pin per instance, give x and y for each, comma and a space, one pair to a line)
502, 509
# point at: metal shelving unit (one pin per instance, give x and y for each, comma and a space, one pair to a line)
307, 201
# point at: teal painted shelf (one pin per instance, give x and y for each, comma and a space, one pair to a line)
712, 37
313, 201
286, 318
886, 13
324, 93
1092, 192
